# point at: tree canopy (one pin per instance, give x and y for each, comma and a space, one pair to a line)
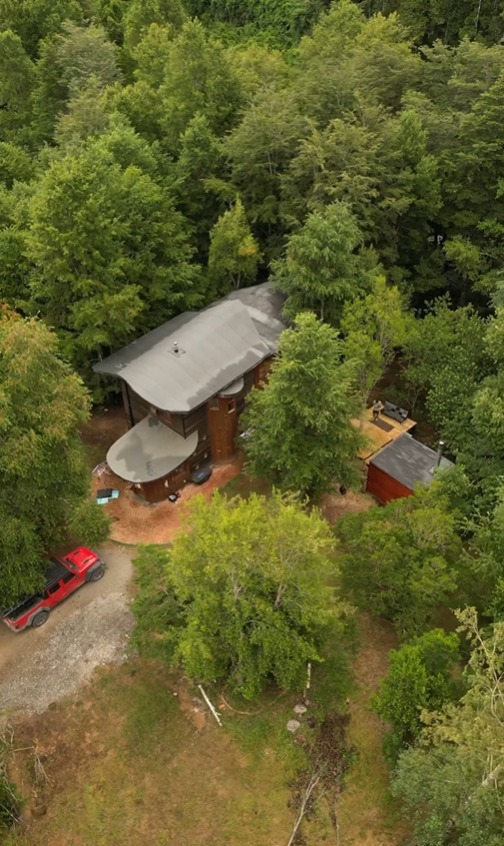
323, 144
451, 782
155, 154
300, 435
420, 678
400, 561
242, 597
45, 482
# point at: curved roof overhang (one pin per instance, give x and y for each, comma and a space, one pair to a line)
233, 389
149, 451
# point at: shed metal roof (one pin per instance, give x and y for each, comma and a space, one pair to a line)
149, 451
215, 347
408, 461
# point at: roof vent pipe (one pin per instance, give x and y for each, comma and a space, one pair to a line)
176, 347
439, 456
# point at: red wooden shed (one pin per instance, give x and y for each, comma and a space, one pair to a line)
395, 470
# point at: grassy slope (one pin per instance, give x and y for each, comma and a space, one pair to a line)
130, 762
127, 766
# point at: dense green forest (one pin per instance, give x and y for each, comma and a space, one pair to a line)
151, 160
154, 154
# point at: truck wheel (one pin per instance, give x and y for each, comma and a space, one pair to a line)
97, 574
39, 619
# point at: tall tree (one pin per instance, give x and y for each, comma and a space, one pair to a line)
322, 267
242, 596
382, 61
140, 14
420, 677
259, 149
199, 173
234, 252
446, 357
14, 265
481, 451
198, 79
17, 76
69, 63
451, 783
374, 327
140, 100
33, 20
485, 552
110, 253
400, 560
44, 495
323, 88
475, 206
301, 435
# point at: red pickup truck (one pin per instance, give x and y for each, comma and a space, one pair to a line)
63, 575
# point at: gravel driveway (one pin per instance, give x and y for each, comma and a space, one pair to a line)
92, 627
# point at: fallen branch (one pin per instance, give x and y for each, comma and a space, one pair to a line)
314, 780
236, 711
252, 713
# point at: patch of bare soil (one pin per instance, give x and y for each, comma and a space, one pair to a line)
136, 521
334, 506
329, 758
102, 430
191, 706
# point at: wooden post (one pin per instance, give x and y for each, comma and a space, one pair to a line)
308, 682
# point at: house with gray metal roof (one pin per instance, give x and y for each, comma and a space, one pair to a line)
184, 386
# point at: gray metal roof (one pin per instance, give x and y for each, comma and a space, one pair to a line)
149, 451
215, 347
408, 461
264, 303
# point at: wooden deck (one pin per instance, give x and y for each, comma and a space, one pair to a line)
376, 437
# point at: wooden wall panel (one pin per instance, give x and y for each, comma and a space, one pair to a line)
173, 421
139, 407
196, 419
159, 489
380, 485
223, 427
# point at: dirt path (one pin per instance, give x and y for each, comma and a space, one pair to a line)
366, 812
40, 666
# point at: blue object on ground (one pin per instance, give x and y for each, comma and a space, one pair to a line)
202, 475
104, 495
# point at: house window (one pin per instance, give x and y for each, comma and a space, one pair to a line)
231, 406
214, 404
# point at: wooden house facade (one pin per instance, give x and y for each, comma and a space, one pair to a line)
184, 387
